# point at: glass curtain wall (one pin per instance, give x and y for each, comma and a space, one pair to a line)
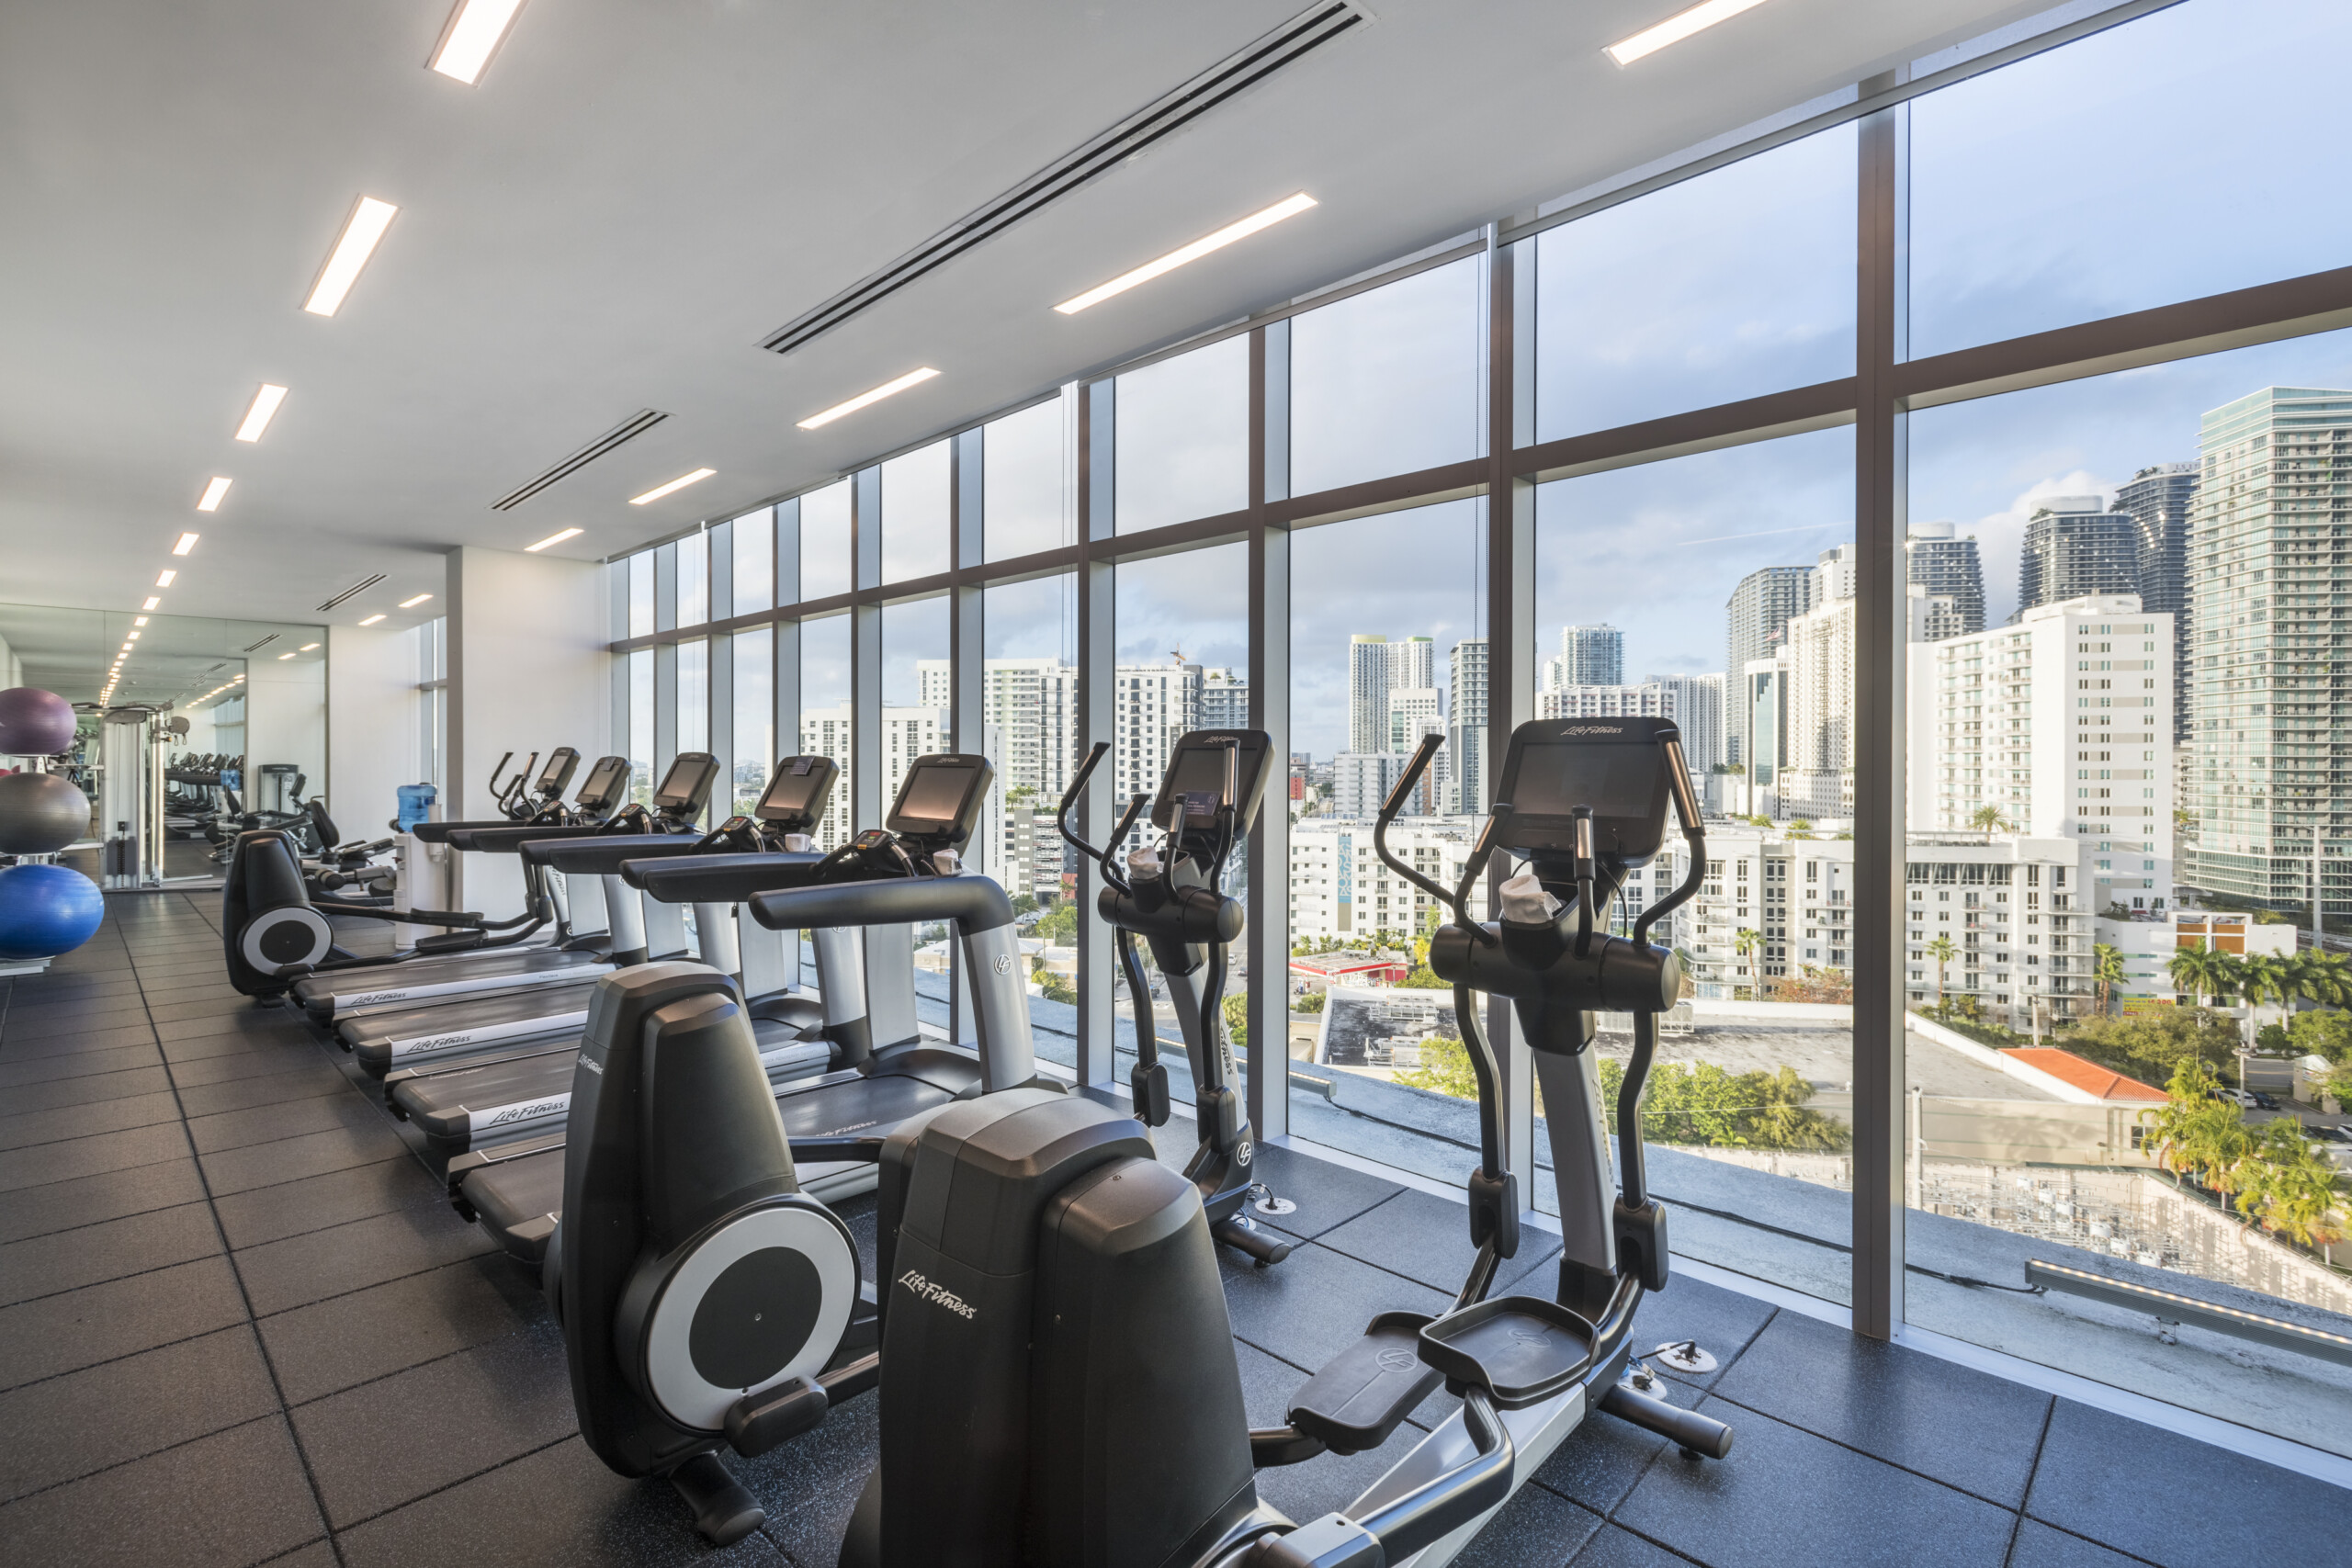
1028, 725
1980, 518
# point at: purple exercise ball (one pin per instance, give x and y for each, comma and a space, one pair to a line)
34, 723
46, 910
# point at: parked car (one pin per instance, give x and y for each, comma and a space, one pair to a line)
2267, 1103
2237, 1096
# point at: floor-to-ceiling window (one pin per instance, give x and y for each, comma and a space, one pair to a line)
1962, 470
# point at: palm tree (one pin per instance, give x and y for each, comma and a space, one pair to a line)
2202, 971
2259, 975
1745, 943
2107, 971
1989, 819
1801, 827
1943, 951
2325, 978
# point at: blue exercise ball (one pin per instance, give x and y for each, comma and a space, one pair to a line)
46, 910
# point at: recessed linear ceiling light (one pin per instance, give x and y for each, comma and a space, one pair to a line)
552, 539
476, 29
1289, 207
678, 484
864, 400
163, 578
371, 620
212, 501
257, 417
285, 656
361, 230
1677, 28
306, 648
139, 620
134, 637
152, 603
413, 603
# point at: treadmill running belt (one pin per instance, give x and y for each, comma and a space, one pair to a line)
340, 993
381, 1041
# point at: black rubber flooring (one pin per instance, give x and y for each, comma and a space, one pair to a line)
239, 1324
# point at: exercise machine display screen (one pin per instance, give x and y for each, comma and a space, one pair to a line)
797, 793
687, 784
941, 797
558, 772
605, 781
1196, 778
1622, 777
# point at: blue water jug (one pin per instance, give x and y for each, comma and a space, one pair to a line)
416, 805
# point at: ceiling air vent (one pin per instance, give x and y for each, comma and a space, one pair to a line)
263, 643
628, 429
1304, 33
353, 591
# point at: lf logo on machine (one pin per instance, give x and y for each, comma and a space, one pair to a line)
937, 1295
1004, 963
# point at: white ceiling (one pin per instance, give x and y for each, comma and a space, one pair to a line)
638, 192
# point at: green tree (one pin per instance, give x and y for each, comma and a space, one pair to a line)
2324, 1032
1746, 943
1704, 1103
1060, 928
1943, 950
1236, 1020
2107, 971
2325, 978
1801, 827
1989, 819
2261, 975
2197, 1133
1311, 1002
1023, 903
1052, 987
2202, 973
2150, 1046
2288, 1186
2339, 1083
1444, 1068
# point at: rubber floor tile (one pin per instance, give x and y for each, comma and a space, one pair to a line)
99, 1323
67, 1260
90, 1200
219, 1502
73, 1426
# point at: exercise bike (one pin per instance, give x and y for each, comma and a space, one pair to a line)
1173, 898
1058, 1382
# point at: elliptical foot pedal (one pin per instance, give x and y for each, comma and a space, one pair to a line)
1262, 1250
1522, 1349
1360, 1395
724, 1512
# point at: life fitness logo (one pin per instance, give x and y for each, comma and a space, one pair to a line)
1003, 964
1594, 730
937, 1295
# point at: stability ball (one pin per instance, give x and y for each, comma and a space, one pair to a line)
41, 812
34, 723
46, 910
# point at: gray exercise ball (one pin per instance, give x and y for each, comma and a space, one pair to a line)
41, 812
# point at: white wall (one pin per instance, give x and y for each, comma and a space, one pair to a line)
527, 673
286, 721
372, 741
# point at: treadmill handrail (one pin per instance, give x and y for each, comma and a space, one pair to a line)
509, 838
975, 902
601, 856
720, 879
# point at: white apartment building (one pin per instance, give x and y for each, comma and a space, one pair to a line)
907, 733
1031, 704
2009, 907
2063, 722
1154, 705
1361, 782
1649, 700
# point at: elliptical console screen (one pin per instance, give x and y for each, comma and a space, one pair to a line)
941, 797
1196, 778
605, 781
687, 784
798, 792
1618, 769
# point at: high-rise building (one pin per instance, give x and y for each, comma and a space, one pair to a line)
2267, 532
1361, 782
1154, 704
2074, 547
1589, 656
1946, 565
1466, 734
2058, 726
1817, 775
1699, 713
1368, 665
2159, 499
1410, 708
1225, 699
1653, 700
1756, 616
907, 733
1412, 662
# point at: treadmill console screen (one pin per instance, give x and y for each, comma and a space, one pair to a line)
1194, 782
941, 799
561, 762
800, 792
1617, 767
607, 782
687, 784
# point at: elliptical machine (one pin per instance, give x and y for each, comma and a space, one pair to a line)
1173, 897
1039, 1246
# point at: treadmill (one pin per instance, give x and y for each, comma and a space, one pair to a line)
555, 1004
420, 975
885, 877
471, 1102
